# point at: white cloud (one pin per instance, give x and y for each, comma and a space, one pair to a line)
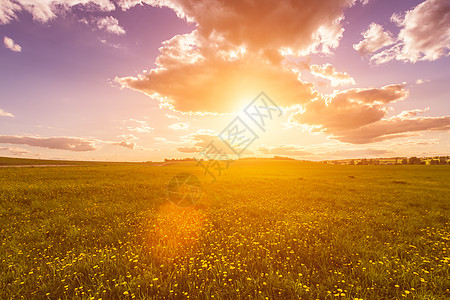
375, 38
128, 137
46, 10
5, 114
327, 71
11, 44
421, 81
424, 35
16, 151
143, 126
179, 126
8, 11
140, 129
111, 25
169, 116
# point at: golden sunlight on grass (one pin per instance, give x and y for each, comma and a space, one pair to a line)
175, 234
263, 230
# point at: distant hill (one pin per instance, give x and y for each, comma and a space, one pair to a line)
11, 161
7, 161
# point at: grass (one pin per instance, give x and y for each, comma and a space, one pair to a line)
263, 230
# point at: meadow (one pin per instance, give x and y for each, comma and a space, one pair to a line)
265, 229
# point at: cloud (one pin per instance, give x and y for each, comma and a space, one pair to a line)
59, 143
392, 128
164, 140
169, 116
11, 45
17, 151
207, 139
8, 11
424, 34
288, 150
375, 38
358, 116
406, 114
418, 142
129, 137
105, 42
322, 153
198, 80
46, 10
140, 129
422, 81
327, 71
127, 141
110, 25
143, 126
126, 144
192, 149
237, 51
179, 126
305, 26
5, 114
350, 109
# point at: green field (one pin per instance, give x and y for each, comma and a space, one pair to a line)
263, 230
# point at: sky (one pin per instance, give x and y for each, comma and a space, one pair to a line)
133, 80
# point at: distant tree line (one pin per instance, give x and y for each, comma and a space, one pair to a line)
441, 160
179, 159
283, 158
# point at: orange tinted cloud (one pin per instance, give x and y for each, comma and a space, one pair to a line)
218, 85
351, 108
358, 116
189, 149
235, 52
392, 128
239, 49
